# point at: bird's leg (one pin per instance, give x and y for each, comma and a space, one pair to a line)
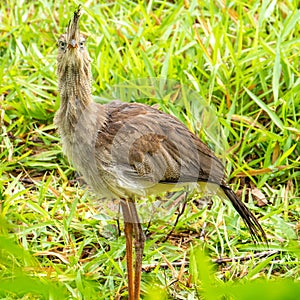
132, 224
128, 229
139, 250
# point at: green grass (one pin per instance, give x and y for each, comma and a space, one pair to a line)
242, 59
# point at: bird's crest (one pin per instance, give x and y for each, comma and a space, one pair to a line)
73, 31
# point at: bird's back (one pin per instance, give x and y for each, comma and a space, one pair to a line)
137, 149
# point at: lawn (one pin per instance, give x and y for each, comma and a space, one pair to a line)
238, 64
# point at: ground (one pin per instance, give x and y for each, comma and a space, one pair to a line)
241, 60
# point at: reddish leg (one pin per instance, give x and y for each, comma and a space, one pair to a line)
128, 228
139, 250
133, 225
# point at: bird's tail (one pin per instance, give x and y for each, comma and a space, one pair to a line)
249, 219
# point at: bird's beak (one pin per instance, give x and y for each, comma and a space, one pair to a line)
73, 44
73, 32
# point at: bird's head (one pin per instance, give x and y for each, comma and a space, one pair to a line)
72, 53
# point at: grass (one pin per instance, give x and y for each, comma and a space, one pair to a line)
241, 59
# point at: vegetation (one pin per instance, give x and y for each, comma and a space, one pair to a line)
243, 60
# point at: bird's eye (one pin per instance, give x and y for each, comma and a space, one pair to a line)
81, 44
62, 45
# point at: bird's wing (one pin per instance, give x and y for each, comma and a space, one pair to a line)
145, 147
148, 146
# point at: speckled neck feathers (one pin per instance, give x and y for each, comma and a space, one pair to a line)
74, 76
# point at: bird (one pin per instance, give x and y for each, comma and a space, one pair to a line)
127, 150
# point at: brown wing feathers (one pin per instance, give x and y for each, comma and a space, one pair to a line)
164, 150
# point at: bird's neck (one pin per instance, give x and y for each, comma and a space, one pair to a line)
75, 96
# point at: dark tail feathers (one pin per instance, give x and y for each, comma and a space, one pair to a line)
249, 219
